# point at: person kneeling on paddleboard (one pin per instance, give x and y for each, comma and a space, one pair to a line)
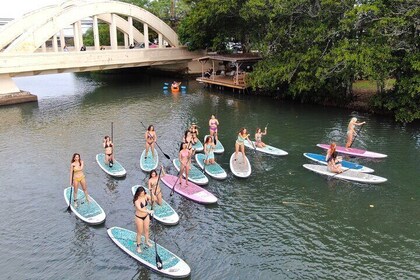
258, 137
333, 160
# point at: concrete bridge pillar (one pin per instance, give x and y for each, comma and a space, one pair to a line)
62, 40
54, 43
130, 31
80, 33
113, 32
10, 93
76, 37
7, 85
146, 35
96, 33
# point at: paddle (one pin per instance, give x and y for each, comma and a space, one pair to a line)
357, 134
173, 187
156, 142
112, 139
158, 259
71, 190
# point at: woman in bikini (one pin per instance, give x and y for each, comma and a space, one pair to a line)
351, 132
209, 150
151, 138
258, 137
154, 186
142, 219
239, 144
109, 148
184, 159
77, 176
213, 123
194, 133
333, 160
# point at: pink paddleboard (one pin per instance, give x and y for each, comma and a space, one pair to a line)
354, 151
192, 191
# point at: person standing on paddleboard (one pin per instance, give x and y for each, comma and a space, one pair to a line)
351, 131
76, 173
333, 160
209, 147
213, 124
239, 144
109, 148
154, 186
151, 138
258, 137
185, 159
142, 216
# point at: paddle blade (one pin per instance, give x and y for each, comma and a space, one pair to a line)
159, 264
166, 155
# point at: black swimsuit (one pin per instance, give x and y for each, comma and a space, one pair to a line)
142, 206
108, 146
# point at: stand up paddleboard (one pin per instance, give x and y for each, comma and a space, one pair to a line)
194, 175
348, 174
163, 213
148, 163
346, 164
214, 170
267, 149
173, 266
219, 149
90, 213
240, 167
198, 146
117, 170
192, 191
354, 151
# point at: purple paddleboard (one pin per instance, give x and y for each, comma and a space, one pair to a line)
354, 151
192, 191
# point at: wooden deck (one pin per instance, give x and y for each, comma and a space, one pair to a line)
235, 82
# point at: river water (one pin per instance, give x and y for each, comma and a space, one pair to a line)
284, 222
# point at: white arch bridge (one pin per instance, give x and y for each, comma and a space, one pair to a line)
37, 43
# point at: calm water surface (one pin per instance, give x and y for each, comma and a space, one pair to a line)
284, 222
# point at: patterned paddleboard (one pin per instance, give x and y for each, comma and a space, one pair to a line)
214, 170
192, 191
354, 151
198, 146
163, 213
148, 163
219, 149
241, 166
173, 266
195, 175
346, 164
117, 170
90, 213
267, 149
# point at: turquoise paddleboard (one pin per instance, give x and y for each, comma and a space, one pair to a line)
214, 170
195, 175
117, 170
90, 213
163, 213
173, 266
148, 163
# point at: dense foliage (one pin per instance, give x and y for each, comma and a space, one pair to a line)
316, 49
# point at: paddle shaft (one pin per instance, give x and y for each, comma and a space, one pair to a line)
112, 138
357, 133
168, 157
71, 190
158, 259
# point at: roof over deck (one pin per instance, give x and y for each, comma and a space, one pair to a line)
234, 58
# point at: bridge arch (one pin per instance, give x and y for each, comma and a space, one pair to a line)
56, 18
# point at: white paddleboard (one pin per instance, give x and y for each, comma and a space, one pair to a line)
90, 213
173, 266
241, 166
348, 174
267, 149
117, 170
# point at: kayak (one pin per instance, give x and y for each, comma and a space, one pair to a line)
219, 149
173, 266
214, 170
198, 146
89, 212
346, 164
195, 175
354, 151
148, 163
267, 149
240, 167
192, 192
348, 174
117, 170
163, 213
